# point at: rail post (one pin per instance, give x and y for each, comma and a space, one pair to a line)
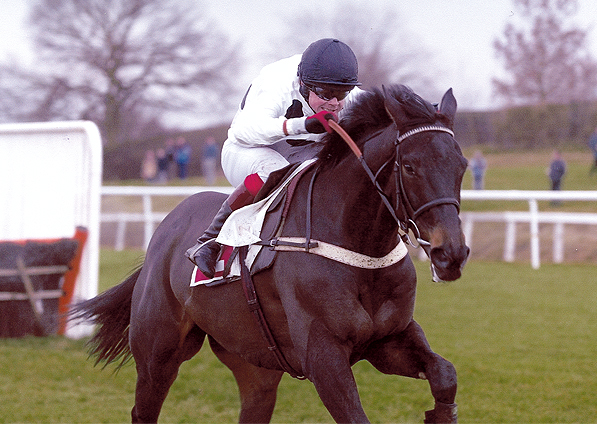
534, 227
148, 220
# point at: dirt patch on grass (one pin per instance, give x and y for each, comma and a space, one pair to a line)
579, 243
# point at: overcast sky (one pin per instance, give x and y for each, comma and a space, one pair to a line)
459, 33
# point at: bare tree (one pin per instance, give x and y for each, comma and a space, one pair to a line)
545, 56
122, 63
386, 51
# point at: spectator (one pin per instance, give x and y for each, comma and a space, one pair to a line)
478, 166
163, 164
593, 147
210, 160
556, 171
149, 166
170, 154
182, 157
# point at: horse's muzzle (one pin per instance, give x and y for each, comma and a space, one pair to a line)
448, 262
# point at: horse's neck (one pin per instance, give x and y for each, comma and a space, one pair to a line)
348, 210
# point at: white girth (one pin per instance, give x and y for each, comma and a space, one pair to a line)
345, 256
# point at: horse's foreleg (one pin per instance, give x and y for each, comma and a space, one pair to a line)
409, 354
258, 387
328, 368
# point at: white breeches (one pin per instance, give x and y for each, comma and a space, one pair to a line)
238, 162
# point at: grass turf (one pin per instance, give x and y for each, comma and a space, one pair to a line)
522, 341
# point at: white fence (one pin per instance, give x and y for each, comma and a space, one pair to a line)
148, 217
533, 217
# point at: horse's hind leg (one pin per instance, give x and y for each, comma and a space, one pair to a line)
409, 354
158, 356
257, 386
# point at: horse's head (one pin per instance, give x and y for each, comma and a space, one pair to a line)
422, 189
429, 170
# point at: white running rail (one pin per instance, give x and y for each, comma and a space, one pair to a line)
533, 217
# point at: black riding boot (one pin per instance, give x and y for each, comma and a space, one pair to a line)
205, 253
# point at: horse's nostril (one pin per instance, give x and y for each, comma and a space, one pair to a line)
439, 257
442, 257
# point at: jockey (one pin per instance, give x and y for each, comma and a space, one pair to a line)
291, 100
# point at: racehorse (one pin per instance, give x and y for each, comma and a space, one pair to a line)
324, 315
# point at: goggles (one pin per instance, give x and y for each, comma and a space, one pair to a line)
327, 94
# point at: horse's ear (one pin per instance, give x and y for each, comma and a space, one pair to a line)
448, 105
393, 107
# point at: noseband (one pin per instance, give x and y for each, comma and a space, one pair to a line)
410, 213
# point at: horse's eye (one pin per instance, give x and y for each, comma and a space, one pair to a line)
409, 169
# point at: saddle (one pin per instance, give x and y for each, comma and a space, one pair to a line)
281, 184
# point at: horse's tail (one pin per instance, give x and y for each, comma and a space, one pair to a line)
111, 311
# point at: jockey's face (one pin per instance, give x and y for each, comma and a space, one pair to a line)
318, 104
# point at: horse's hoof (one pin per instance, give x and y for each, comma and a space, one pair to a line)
442, 413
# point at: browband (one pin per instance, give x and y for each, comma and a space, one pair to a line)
422, 129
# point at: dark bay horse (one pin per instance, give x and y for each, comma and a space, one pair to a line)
324, 315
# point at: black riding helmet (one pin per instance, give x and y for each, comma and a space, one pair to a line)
329, 61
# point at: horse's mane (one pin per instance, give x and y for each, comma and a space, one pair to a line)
368, 114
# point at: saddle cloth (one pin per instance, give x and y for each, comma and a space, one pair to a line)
243, 228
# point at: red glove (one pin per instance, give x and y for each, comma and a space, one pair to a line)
318, 123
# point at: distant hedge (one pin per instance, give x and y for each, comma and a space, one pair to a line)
528, 127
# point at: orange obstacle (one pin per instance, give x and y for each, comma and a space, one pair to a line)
24, 277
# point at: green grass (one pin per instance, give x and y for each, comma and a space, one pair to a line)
523, 342
116, 266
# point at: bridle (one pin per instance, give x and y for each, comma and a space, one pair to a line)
402, 199
408, 211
